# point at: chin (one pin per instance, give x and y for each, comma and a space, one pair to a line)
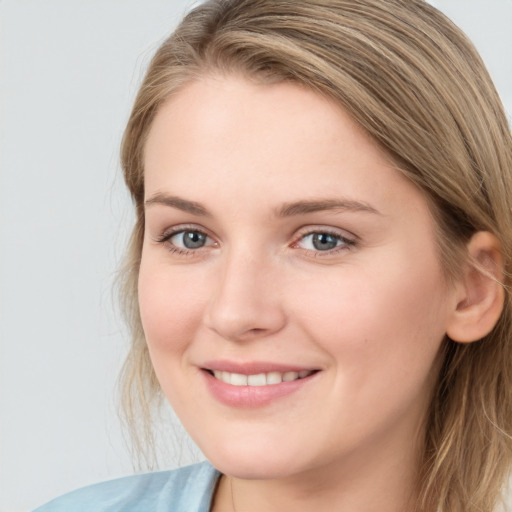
254, 464
251, 469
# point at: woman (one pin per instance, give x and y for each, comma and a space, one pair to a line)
319, 275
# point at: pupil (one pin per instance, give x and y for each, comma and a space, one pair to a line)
193, 240
324, 242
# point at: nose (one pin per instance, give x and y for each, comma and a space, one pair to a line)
246, 301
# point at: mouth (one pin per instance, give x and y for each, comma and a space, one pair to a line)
259, 379
253, 385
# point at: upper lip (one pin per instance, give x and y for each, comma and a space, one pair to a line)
252, 367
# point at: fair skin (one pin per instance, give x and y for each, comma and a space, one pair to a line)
249, 266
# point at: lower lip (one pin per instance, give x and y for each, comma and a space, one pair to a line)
252, 396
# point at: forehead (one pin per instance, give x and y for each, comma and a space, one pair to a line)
214, 105
228, 136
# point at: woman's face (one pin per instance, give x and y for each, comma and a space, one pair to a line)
290, 291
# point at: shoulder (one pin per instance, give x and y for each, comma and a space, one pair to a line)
186, 489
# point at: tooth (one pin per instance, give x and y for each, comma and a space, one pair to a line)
237, 379
274, 378
257, 380
260, 379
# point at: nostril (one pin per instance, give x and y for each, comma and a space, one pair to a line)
239, 311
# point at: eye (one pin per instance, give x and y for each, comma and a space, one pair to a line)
185, 241
188, 239
323, 241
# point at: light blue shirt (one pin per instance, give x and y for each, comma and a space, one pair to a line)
188, 489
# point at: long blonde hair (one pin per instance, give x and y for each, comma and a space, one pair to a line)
416, 84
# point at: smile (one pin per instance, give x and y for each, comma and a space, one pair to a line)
260, 379
253, 385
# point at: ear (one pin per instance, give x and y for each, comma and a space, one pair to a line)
480, 294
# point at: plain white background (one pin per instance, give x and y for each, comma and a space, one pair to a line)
69, 72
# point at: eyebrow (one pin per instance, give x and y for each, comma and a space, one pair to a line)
304, 207
179, 203
286, 210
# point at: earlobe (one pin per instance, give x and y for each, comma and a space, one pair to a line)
481, 295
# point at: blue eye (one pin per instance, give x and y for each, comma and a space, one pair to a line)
188, 239
323, 241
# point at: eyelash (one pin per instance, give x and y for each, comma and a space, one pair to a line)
346, 243
166, 237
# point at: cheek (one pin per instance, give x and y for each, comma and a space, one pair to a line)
171, 309
382, 334
378, 325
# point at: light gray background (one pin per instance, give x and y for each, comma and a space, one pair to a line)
69, 71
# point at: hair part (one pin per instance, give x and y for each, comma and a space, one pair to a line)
415, 83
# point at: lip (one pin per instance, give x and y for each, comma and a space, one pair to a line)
251, 367
252, 396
